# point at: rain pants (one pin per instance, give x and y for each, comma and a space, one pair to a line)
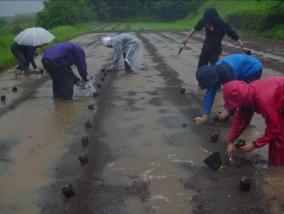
232, 67
58, 60
212, 47
24, 54
265, 97
130, 47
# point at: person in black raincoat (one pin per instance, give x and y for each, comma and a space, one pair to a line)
215, 28
25, 56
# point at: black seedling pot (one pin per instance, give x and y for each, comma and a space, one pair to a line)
182, 91
91, 107
83, 159
68, 191
85, 141
14, 89
95, 94
88, 124
184, 125
214, 137
248, 52
105, 74
216, 119
99, 85
3, 97
239, 143
245, 184
102, 79
214, 160
103, 70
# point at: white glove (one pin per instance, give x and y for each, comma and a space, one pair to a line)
83, 85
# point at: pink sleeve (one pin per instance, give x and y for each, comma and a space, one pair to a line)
240, 122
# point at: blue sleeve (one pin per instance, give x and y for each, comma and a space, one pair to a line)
209, 100
80, 62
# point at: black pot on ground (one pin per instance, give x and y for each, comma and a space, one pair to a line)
14, 89
99, 85
182, 91
103, 70
214, 160
68, 191
83, 159
102, 79
214, 137
91, 107
245, 184
216, 119
88, 124
85, 141
3, 98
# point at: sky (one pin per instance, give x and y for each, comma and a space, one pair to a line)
17, 7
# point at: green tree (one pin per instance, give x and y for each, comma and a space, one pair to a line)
3, 22
64, 12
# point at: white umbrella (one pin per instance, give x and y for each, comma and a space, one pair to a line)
34, 36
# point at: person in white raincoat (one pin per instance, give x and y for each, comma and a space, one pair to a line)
127, 45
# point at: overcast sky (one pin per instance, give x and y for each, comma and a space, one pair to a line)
16, 7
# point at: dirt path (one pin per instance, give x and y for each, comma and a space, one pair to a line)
145, 155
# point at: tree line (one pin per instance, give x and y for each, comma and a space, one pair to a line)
75, 11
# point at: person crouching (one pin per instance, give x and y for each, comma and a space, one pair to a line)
57, 60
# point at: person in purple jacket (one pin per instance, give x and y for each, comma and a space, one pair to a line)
57, 60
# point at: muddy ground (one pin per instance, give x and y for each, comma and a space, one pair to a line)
145, 154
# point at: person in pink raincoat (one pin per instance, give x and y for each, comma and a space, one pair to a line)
265, 97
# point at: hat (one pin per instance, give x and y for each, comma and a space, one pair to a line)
106, 40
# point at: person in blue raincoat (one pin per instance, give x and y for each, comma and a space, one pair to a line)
232, 67
58, 60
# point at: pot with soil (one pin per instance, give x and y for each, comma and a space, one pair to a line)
245, 184
214, 137
85, 141
182, 91
3, 98
83, 159
214, 160
68, 191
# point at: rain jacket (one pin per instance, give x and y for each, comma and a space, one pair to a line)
233, 67
265, 97
214, 37
68, 54
128, 45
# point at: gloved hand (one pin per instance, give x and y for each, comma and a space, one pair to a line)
85, 84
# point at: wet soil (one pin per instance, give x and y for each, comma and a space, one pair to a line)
144, 154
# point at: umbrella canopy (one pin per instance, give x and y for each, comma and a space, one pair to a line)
34, 36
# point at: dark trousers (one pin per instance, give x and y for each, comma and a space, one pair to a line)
207, 57
23, 64
63, 79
